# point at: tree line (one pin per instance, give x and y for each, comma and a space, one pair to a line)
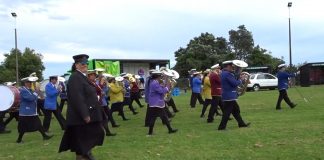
28, 62
207, 50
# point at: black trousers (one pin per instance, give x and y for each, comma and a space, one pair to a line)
215, 102
127, 101
206, 104
193, 99
172, 104
48, 116
283, 95
62, 104
147, 116
40, 106
231, 107
155, 112
2, 124
135, 96
118, 107
109, 115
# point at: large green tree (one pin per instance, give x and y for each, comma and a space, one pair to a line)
29, 61
201, 52
241, 42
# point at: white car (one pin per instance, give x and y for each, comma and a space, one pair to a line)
262, 80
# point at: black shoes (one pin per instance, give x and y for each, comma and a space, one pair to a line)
19, 141
173, 131
115, 125
5, 131
293, 106
278, 108
134, 113
47, 137
125, 119
111, 134
245, 125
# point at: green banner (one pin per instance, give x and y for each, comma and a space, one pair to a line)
110, 67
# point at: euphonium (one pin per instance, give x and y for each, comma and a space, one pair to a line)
243, 76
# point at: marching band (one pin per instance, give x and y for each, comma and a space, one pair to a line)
93, 96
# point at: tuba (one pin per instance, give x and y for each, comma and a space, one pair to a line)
243, 76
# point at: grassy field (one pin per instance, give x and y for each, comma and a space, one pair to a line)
286, 134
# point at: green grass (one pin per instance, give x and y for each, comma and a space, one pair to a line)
286, 134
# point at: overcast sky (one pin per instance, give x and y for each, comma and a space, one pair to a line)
155, 29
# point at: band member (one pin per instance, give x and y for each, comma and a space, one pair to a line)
28, 117
92, 80
50, 104
229, 96
84, 118
116, 94
206, 92
196, 90
103, 84
283, 86
63, 95
41, 97
127, 94
156, 102
147, 93
135, 91
216, 92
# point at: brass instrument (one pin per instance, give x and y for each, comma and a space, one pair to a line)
170, 81
243, 76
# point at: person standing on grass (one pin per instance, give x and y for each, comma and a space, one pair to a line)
158, 89
135, 91
196, 90
230, 96
127, 95
50, 104
63, 96
147, 94
84, 128
92, 80
28, 116
206, 92
283, 78
116, 94
216, 92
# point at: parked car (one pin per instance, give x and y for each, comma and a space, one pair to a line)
262, 80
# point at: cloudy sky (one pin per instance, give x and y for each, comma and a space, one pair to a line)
155, 29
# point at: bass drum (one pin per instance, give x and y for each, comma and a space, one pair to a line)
10, 98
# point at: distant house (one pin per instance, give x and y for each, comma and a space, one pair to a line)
311, 74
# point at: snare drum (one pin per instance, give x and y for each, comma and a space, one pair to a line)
10, 98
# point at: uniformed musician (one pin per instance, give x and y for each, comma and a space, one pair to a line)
283, 78
230, 96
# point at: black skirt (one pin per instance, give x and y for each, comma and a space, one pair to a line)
82, 138
29, 124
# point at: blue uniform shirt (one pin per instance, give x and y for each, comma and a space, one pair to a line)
229, 86
28, 101
283, 79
